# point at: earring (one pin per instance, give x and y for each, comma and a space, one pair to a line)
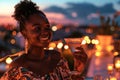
26, 46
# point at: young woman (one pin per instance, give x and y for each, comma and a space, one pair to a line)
37, 63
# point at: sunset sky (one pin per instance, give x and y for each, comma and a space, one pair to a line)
7, 6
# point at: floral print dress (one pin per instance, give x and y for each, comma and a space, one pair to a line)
61, 72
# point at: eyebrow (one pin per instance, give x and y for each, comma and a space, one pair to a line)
35, 24
40, 24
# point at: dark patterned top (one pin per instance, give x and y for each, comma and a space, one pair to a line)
61, 72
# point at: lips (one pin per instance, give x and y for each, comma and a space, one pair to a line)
45, 36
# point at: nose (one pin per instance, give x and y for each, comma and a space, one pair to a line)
45, 34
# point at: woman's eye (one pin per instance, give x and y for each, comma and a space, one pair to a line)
36, 29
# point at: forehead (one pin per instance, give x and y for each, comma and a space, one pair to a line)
37, 18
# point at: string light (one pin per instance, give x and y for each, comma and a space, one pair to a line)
8, 60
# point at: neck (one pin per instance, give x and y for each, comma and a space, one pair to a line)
36, 52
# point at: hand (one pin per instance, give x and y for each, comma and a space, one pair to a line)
81, 55
80, 59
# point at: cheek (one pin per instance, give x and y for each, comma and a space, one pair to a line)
31, 38
51, 35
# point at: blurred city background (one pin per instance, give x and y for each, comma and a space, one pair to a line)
93, 23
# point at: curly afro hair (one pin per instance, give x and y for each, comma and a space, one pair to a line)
23, 10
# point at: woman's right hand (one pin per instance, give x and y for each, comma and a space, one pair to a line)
80, 59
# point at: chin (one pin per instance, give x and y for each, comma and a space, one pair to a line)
45, 45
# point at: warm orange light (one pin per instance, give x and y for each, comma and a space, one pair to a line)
9, 60
117, 64
110, 48
60, 45
83, 42
14, 33
98, 47
97, 54
115, 53
52, 44
12, 41
95, 41
87, 39
51, 48
66, 47
54, 28
110, 67
113, 78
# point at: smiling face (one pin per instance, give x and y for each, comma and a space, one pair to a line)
37, 30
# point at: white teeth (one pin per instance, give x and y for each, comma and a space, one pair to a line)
45, 38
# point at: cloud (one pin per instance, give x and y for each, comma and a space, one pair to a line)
81, 11
118, 2
93, 15
60, 18
55, 15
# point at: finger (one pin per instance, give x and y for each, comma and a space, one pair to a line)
79, 48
